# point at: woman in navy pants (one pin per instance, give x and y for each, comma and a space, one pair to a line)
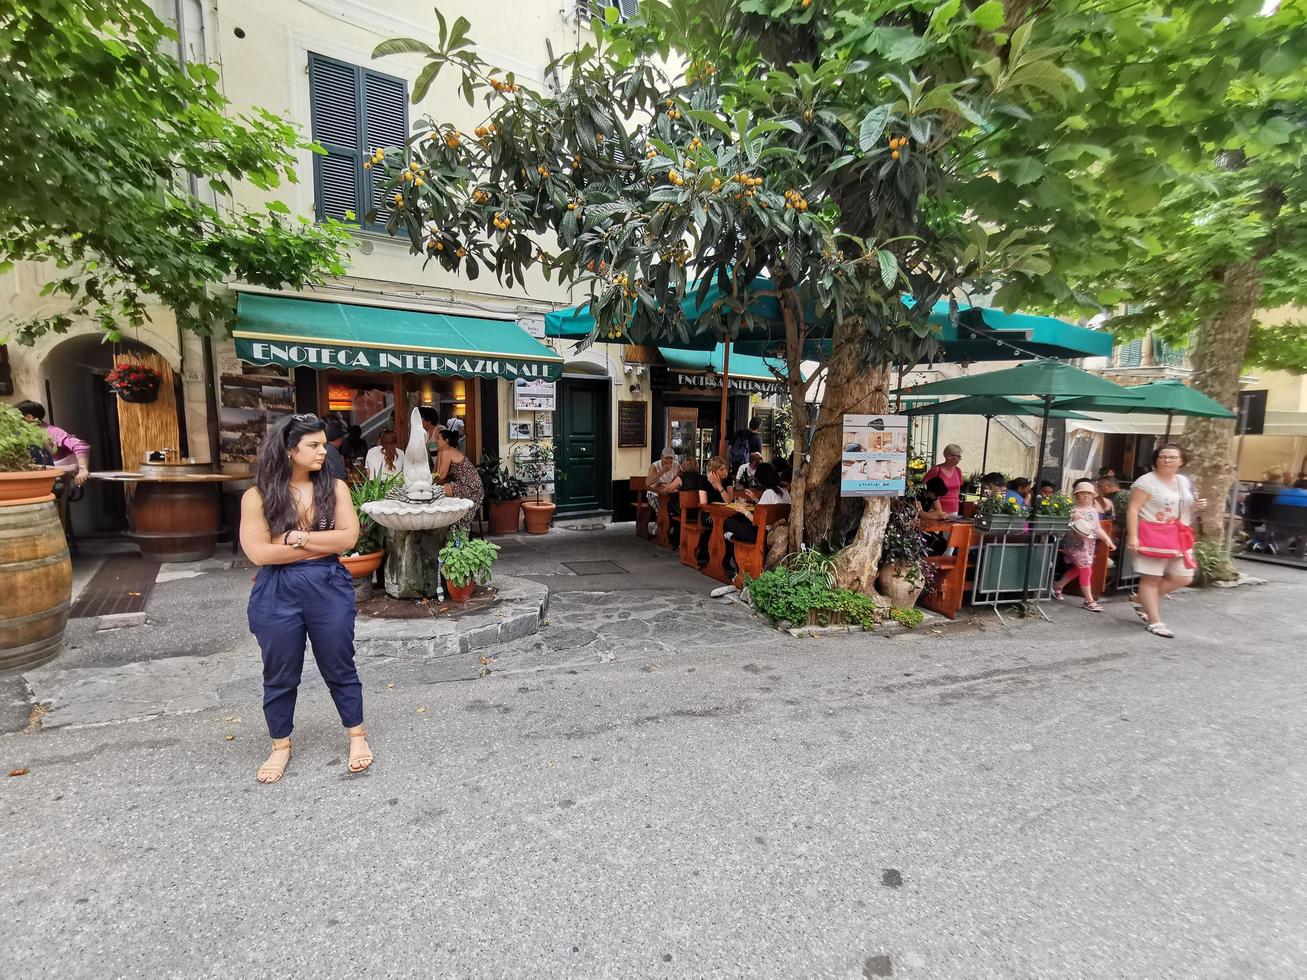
295, 523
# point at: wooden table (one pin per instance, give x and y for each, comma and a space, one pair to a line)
175, 516
663, 520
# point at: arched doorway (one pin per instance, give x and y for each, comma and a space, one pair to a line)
77, 399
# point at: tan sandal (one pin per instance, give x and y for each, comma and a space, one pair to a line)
273, 770
361, 761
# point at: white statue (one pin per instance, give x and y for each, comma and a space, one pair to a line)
417, 464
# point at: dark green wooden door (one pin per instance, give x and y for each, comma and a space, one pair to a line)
582, 445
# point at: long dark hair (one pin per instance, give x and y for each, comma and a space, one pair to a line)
272, 476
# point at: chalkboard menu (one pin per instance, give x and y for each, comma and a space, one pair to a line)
765, 425
632, 424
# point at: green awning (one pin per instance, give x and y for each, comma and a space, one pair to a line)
743, 366
307, 333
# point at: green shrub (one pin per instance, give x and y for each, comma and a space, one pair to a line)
797, 595
911, 618
466, 560
17, 438
1214, 564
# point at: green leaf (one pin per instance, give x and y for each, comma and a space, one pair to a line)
422, 84
889, 267
873, 127
988, 16
711, 119
403, 45
1023, 170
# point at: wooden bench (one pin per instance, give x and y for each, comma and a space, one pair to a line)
641, 503
692, 527
948, 592
750, 557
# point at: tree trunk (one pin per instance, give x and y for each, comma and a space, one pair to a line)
1217, 360
858, 564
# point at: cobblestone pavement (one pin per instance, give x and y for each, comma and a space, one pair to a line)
656, 784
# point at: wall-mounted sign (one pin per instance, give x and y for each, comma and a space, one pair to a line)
398, 361
632, 424
531, 395
875, 456
533, 324
664, 378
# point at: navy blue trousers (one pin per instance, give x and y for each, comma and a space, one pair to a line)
313, 601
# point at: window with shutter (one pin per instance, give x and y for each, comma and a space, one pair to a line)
595, 8
353, 111
1131, 354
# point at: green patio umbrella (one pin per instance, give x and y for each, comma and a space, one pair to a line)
1170, 398
990, 406
1049, 381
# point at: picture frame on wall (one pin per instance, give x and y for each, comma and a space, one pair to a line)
544, 428
520, 431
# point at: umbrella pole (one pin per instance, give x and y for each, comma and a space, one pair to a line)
984, 455
1034, 500
726, 387
1167, 437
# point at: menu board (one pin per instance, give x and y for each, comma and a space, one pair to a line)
874, 461
632, 424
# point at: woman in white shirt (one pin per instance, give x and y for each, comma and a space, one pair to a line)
1165, 500
741, 528
384, 458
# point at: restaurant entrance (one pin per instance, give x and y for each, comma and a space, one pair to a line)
582, 445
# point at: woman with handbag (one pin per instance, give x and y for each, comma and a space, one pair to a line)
1159, 532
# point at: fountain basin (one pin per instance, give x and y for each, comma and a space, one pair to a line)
399, 515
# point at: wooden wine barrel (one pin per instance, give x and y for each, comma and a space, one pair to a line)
175, 521
36, 581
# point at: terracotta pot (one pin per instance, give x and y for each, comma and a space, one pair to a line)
901, 593
460, 593
505, 516
363, 566
538, 516
27, 486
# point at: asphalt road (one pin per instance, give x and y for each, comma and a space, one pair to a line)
1069, 799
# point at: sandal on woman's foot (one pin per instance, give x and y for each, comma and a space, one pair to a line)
1058, 594
278, 760
1092, 605
1159, 629
360, 753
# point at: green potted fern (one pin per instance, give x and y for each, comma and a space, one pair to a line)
466, 564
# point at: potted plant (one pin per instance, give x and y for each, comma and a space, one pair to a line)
133, 382
466, 564
504, 492
999, 513
364, 558
34, 562
904, 570
23, 478
535, 467
1051, 513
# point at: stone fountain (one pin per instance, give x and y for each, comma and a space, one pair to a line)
417, 517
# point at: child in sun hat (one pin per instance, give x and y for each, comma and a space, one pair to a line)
1078, 545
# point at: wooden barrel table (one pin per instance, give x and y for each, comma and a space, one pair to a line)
36, 580
175, 516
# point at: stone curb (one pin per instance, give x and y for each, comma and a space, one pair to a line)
519, 612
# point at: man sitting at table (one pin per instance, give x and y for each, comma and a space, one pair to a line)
746, 476
663, 477
931, 496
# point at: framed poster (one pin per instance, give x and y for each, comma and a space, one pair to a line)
520, 431
632, 424
530, 395
545, 428
874, 462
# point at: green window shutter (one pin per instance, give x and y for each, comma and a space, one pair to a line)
1131, 354
334, 110
384, 124
353, 111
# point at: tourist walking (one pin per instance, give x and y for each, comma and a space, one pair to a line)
1079, 545
296, 521
67, 452
1159, 530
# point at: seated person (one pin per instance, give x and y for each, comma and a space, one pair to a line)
663, 477
1107, 488
1020, 488
784, 472
993, 485
1294, 496
1047, 488
746, 475
931, 496
741, 528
